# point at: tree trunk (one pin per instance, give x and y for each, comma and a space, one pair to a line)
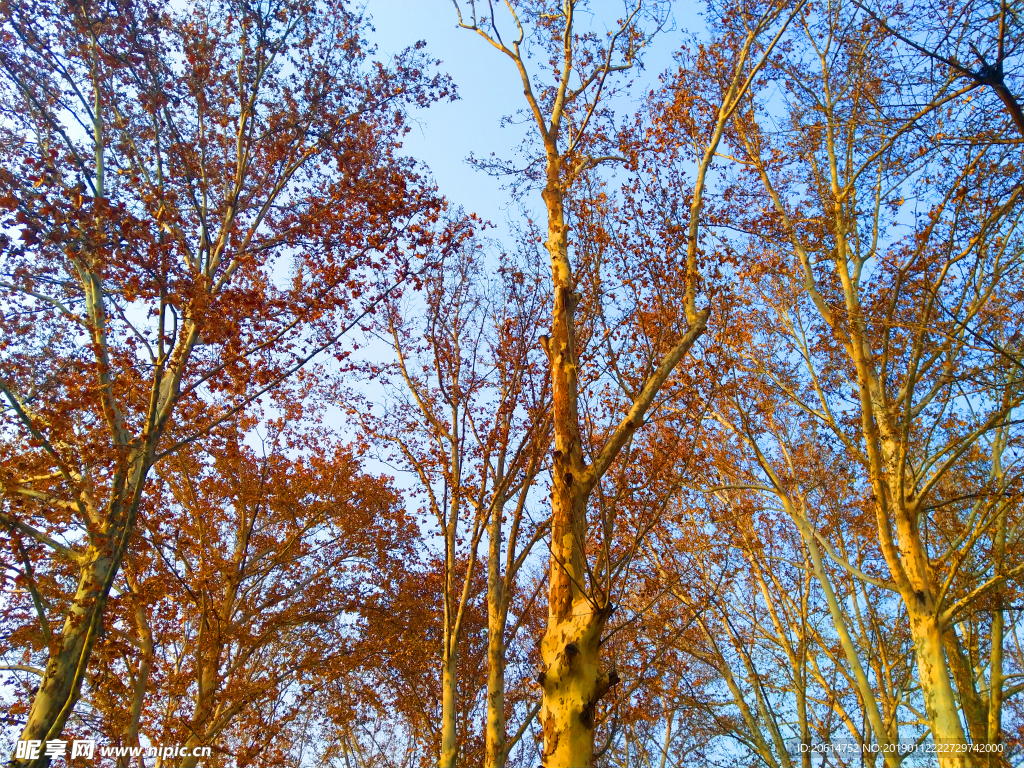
971, 703
995, 705
190, 745
918, 589
61, 685
449, 680
907, 555
571, 679
572, 684
496, 740
130, 735
569, 650
994, 725
933, 674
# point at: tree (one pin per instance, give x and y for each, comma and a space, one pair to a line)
464, 412
245, 600
575, 133
890, 294
971, 42
803, 616
206, 198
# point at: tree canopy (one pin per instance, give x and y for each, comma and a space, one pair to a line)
712, 457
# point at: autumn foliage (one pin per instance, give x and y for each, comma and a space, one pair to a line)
714, 457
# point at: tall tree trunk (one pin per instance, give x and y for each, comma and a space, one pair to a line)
906, 555
995, 704
496, 744
449, 681
571, 679
496, 740
61, 683
971, 703
909, 563
934, 676
994, 725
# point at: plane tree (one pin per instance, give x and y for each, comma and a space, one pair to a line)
196, 200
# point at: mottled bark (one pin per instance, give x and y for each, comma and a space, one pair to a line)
495, 737
61, 684
140, 686
571, 678
449, 681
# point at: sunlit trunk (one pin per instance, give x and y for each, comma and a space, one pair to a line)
906, 555
994, 732
926, 630
570, 649
939, 700
801, 709
60, 686
963, 676
190, 761
573, 684
994, 725
496, 740
449, 681
917, 588
58, 690
569, 652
